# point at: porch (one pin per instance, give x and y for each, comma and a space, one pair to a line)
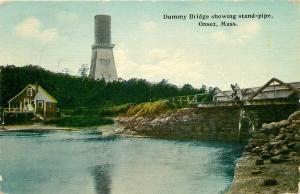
18, 110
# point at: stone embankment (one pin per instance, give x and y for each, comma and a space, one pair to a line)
192, 123
270, 163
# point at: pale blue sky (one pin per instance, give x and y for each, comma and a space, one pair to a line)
59, 35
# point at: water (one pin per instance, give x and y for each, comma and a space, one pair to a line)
87, 163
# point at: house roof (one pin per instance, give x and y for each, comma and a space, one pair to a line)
53, 100
281, 83
223, 93
283, 90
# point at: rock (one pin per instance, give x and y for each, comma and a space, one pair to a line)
288, 137
155, 121
296, 148
259, 162
282, 142
274, 143
259, 138
283, 130
277, 159
272, 136
280, 137
267, 126
167, 119
284, 149
293, 126
297, 137
296, 121
254, 172
266, 147
248, 148
294, 116
291, 154
256, 150
290, 145
282, 123
139, 119
265, 156
276, 152
185, 118
256, 142
270, 182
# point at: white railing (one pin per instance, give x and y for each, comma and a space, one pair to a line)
16, 110
188, 99
12, 110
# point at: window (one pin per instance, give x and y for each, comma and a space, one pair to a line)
29, 91
48, 104
26, 101
40, 104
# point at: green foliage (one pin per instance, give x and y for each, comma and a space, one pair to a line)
151, 108
19, 119
83, 71
74, 91
115, 110
80, 121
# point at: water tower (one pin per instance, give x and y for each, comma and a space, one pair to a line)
103, 63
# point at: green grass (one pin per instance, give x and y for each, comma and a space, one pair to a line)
19, 119
149, 109
78, 117
102, 111
80, 121
85, 117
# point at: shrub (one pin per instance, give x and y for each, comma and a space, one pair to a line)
151, 108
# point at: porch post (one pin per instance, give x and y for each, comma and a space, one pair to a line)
44, 108
35, 104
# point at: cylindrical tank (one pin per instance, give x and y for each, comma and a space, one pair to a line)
102, 29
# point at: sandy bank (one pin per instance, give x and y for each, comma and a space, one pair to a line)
34, 127
111, 129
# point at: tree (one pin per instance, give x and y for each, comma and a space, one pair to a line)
83, 70
73, 91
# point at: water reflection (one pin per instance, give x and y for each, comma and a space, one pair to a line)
102, 178
86, 162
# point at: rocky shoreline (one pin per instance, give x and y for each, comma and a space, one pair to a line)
188, 123
271, 161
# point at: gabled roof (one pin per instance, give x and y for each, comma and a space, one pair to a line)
222, 92
283, 90
39, 89
269, 83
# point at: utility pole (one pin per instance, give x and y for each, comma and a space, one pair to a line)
3, 115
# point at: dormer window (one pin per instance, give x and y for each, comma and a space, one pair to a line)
29, 91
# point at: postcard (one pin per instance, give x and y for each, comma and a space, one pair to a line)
149, 97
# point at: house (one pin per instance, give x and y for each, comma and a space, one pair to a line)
273, 89
33, 99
